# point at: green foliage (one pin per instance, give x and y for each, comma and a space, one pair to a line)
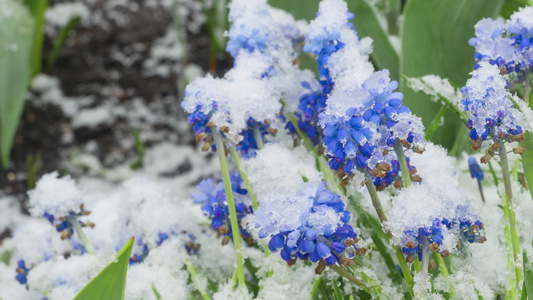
528, 278
435, 38
139, 146
527, 160
16, 39
510, 6
5, 257
33, 164
110, 283
37, 9
60, 41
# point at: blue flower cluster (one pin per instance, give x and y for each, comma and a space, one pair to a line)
475, 169
64, 225
251, 40
214, 203
507, 46
22, 272
310, 106
432, 237
492, 113
314, 102
385, 175
201, 127
349, 141
470, 230
305, 242
248, 145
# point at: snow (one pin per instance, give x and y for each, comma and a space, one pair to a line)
435, 87
55, 196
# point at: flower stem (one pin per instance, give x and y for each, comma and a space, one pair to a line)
352, 278
527, 87
231, 206
444, 271
375, 198
406, 177
156, 293
307, 142
237, 160
383, 218
373, 283
77, 227
435, 122
258, 137
194, 278
508, 202
316, 284
509, 246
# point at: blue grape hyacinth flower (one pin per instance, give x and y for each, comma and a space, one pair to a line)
492, 112
213, 200
311, 224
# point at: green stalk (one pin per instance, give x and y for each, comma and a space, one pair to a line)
435, 122
425, 264
237, 159
156, 293
305, 139
316, 284
375, 198
509, 246
406, 176
231, 206
77, 227
418, 266
444, 271
258, 137
383, 218
352, 278
527, 87
373, 283
508, 201
194, 278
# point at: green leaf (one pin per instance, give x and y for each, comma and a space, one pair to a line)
528, 277
5, 257
139, 146
37, 9
16, 39
366, 24
336, 292
510, 6
527, 162
435, 38
60, 40
110, 283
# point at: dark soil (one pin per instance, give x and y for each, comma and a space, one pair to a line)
85, 66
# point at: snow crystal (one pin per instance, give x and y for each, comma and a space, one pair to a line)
437, 196
435, 87
276, 164
486, 97
61, 13
162, 269
63, 278
55, 196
